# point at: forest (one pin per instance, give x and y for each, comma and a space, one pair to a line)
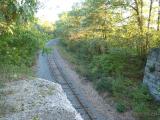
108, 42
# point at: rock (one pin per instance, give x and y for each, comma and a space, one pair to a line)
152, 73
36, 99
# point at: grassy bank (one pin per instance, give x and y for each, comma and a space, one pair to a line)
120, 76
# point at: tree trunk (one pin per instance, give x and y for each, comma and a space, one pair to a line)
158, 21
139, 11
139, 15
141, 5
148, 26
149, 17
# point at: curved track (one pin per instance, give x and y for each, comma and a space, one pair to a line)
61, 78
50, 67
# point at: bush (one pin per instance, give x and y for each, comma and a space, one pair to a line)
120, 107
140, 108
122, 87
105, 84
141, 94
110, 64
21, 46
141, 100
86, 49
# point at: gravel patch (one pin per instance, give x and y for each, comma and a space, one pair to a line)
36, 99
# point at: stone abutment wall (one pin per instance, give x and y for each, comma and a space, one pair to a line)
152, 73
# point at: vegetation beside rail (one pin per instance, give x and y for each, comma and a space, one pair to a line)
21, 36
110, 49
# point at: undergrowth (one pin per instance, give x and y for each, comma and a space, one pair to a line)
121, 76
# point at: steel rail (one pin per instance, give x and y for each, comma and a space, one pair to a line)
53, 59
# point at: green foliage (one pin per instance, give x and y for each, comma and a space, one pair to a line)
35, 118
20, 47
46, 50
141, 94
120, 107
110, 64
19, 39
122, 87
110, 44
141, 98
127, 93
10, 72
16, 11
12, 10
46, 27
104, 84
141, 107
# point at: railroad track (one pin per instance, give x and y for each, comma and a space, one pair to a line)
61, 78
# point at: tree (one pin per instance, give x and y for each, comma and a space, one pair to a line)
16, 11
123, 24
148, 25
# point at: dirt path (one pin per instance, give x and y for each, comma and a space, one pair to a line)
100, 108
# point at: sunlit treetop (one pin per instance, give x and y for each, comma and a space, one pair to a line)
17, 10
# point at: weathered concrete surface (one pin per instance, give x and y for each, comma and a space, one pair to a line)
152, 73
36, 100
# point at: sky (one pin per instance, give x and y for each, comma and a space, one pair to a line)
50, 9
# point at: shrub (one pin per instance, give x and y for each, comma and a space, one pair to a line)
121, 87
21, 46
140, 108
109, 64
143, 111
141, 94
120, 107
104, 84
140, 101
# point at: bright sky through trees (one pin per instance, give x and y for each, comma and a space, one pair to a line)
51, 8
